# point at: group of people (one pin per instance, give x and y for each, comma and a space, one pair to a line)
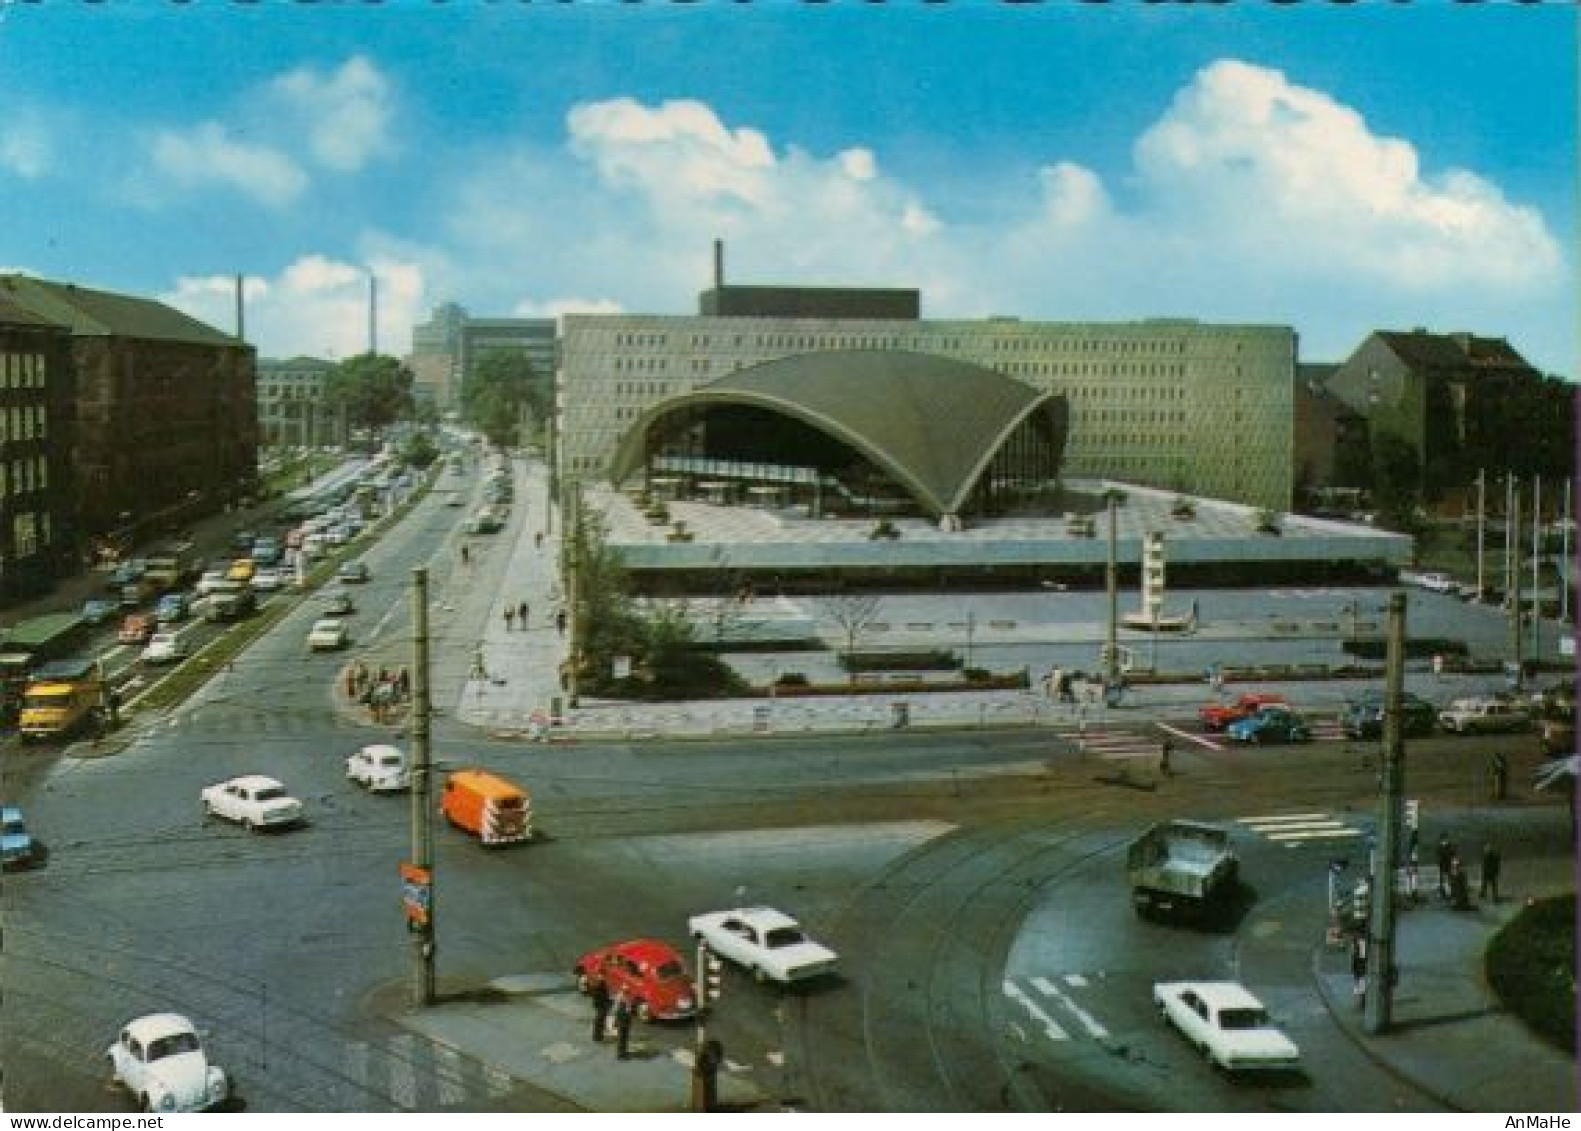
514, 614
379, 694
1454, 885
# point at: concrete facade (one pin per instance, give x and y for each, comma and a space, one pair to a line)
291, 408
1173, 404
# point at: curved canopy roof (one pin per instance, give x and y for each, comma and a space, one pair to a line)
933, 423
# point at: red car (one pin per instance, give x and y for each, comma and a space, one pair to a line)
1217, 716
649, 973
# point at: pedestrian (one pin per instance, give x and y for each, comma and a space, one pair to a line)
600, 1009
623, 1013
403, 684
1459, 885
1412, 870
1446, 855
1358, 967
1164, 752
362, 679
510, 616
559, 622
466, 555
521, 615
1491, 862
1056, 679
538, 540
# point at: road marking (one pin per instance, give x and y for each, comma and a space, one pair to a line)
1050, 1026
1075, 980
447, 1070
403, 1077
1189, 737
1048, 988
1274, 818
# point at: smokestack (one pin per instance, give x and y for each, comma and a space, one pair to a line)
373, 313
719, 264
241, 316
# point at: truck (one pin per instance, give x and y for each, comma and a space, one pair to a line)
491, 808
228, 600
29, 644
1184, 867
171, 565
62, 698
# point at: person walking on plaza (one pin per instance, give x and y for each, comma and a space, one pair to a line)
1459, 886
1412, 869
1491, 862
1446, 856
1358, 967
521, 615
623, 1013
601, 1004
1164, 751
510, 616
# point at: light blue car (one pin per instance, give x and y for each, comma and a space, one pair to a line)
1270, 724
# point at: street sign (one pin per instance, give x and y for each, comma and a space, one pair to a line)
417, 893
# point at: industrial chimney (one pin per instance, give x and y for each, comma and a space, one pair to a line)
719, 264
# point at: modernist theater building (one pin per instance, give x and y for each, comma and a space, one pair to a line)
799, 435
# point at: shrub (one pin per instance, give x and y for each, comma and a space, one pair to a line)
938, 660
1531, 966
791, 679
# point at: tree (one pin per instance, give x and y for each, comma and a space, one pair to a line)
500, 390
1396, 480
419, 450
374, 390
853, 612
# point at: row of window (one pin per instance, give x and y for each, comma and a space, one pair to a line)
21, 371
22, 422
29, 532
19, 476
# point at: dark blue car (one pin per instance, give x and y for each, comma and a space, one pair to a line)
1270, 724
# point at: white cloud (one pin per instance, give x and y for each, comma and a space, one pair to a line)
316, 306
1250, 198
346, 112
26, 148
207, 154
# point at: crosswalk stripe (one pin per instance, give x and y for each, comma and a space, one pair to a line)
447, 1065
1292, 839
1050, 1026
1049, 989
1277, 818
403, 1077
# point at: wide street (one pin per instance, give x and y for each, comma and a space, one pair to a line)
972, 883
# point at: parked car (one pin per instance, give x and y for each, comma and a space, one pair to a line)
1363, 717
769, 944
1273, 723
136, 628
1484, 716
172, 607
252, 800
98, 611
380, 768
352, 573
649, 973
1227, 1025
165, 648
327, 635
211, 580
160, 1060
267, 579
1436, 582
18, 849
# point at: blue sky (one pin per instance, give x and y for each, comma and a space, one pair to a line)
1336, 168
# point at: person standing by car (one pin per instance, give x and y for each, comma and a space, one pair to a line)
601, 1004
1164, 752
1491, 863
1446, 856
623, 1013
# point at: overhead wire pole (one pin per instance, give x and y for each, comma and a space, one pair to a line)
422, 795
1513, 591
1482, 519
1378, 1004
1111, 648
1537, 561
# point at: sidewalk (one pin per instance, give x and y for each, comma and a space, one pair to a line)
1449, 1036
537, 1029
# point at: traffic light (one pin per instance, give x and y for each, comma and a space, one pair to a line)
710, 975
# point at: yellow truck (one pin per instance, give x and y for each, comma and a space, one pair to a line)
62, 698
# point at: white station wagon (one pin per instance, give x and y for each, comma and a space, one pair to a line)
327, 635
767, 943
254, 801
1225, 1023
160, 1060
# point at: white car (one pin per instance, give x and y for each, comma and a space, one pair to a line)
267, 579
767, 943
165, 648
211, 580
327, 635
160, 1060
380, 769
1225, 1023
254, 801
1436, 582
1484, 716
